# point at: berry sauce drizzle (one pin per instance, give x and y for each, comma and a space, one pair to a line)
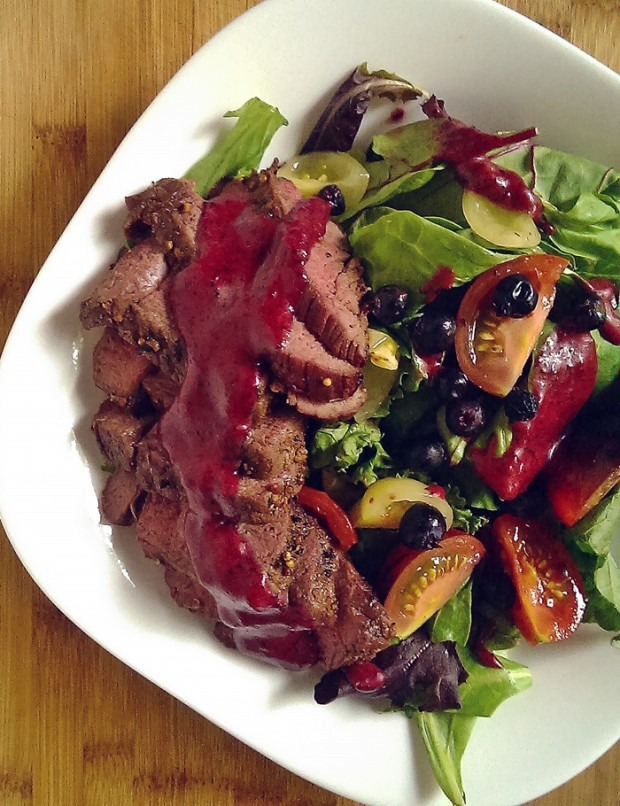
233, 304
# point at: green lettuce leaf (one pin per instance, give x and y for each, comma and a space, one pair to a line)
453, 621
446, 733
398, 247
241, 149
354, 448
486, 689
590, 542
608, 363
581, 200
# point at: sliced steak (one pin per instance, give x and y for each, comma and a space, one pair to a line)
118, 369
188, 593
349, 621
332, 410
150, 326
154, 470
330, 305
118, 431
304, 367
168, 211
272, 194
362, 627
161, 389
137, 273
284, 592
121, 497
160, 530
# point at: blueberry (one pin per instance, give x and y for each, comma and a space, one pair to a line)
451, 384
422, 527
588, 314
433, 332
371, 155
466, 418
333, 196
514, 296
520, 405
427, 455
388, 304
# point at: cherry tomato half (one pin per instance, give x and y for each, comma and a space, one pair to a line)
425, 580
330, 514
550, 601
492, 350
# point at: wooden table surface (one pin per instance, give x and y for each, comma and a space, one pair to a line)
77, 727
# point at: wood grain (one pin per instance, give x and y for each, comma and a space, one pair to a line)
79, 728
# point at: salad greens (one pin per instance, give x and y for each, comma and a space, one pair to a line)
241, 150
409, 227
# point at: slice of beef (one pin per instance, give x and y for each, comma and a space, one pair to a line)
121, 497
275, 446
304, 367
362, 627
160, 529
350, 622
168, 211
136, 274
118, 431
188, 593
330, 305
160, 532
330, 411
150, 325
154, 470
271, 193
118, 369
161, 390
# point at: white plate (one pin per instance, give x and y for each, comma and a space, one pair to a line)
494, 69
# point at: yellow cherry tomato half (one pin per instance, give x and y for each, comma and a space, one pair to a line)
492, 350
429, 579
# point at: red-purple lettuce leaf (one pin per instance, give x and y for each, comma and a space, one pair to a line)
341, 119
416, 670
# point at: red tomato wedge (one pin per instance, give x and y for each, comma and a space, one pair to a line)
425, 580
550, 600
492, 350
332, 516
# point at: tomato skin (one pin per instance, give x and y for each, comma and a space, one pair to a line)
585, 467
423, 581
333, 516
550, 602
562, 379
491, 350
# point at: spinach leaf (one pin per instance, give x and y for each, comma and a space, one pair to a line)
608, 363
581, 201
453, 621
241, 149
445, 735
486, 689
398, 247
590, 542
